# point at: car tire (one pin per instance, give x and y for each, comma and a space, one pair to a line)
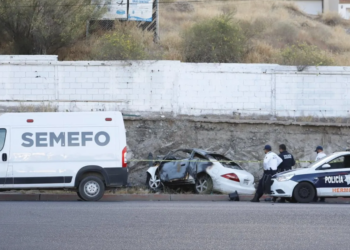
304, 192
79, 196
154, 184
204, 184
91, 188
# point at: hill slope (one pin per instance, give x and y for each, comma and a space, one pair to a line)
269, 26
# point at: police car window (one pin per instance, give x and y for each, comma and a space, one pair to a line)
339, 162
2, 138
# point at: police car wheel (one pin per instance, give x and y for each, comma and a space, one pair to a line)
304, 192
91, 188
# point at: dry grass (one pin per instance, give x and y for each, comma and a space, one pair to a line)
131, 190
43, 107
261, 52
269, 25
85, 49
332, 19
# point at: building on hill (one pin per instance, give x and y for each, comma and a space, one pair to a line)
344, 8
330, 5
315, 7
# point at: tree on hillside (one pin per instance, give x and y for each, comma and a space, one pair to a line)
43, 26
219, 40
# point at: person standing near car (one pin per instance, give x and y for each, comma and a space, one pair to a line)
319, 156
271, 162
320, 153
287, 159
287, 163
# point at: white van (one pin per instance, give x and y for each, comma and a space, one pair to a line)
82, 151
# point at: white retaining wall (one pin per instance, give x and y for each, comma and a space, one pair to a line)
180, 88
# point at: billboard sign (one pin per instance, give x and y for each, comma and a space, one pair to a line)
116, 9
140, 10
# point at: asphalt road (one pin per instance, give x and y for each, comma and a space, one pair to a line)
173, 225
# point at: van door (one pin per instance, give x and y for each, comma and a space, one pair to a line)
4, 153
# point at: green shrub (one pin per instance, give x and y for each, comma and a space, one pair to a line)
216, 40
124, 43
303, 55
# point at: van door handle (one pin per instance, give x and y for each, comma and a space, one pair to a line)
4, 157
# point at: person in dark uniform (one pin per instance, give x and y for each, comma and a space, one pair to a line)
287, 163
287, 159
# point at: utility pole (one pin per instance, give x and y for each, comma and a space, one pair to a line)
157, 38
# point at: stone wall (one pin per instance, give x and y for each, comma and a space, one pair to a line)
241, 141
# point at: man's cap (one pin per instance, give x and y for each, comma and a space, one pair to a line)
267, 147
318, 148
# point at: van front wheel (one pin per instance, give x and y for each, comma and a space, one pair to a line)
91, 188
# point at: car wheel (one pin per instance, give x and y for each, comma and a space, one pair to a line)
204, 184
154, 183
91, 188
304, 192
79, 196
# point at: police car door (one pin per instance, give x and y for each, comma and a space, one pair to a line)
334, 177
4, 153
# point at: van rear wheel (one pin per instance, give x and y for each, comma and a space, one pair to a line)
79, 195
91, 188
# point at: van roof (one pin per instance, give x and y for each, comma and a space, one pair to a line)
43, 119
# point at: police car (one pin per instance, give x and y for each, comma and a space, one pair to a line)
327, 177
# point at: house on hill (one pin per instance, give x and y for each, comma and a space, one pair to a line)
344, 8
315, 7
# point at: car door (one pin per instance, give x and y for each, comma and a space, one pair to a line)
4, 154
334, 177
175, 167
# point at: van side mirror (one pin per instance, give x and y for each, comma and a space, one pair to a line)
325, 166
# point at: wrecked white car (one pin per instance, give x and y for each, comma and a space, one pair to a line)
205, 171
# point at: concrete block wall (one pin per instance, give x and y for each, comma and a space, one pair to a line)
175, 87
